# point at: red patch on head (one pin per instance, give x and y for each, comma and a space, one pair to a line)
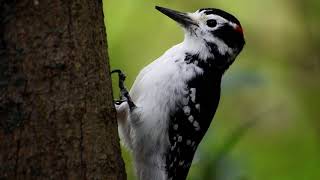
239, 29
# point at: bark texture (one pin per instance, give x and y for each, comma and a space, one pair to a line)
57, 119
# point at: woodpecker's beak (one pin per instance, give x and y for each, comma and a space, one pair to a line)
180, 17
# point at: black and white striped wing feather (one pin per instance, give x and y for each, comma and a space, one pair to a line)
189, 123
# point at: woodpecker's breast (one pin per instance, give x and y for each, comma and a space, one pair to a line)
157, 91
176, 96
161, 84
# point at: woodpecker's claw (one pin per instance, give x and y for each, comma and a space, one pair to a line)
124, 94
122, 78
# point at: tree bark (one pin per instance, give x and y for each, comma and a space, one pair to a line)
57, 119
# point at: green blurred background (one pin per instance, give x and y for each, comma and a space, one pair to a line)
267, 126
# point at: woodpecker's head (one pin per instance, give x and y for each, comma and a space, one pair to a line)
212, 27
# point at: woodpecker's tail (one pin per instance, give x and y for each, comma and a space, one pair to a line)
150, 171
124, 125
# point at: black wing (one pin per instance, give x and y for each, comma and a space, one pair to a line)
190, 122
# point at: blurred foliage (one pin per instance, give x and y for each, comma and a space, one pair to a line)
276, 79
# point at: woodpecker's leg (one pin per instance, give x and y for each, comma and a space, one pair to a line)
124, 94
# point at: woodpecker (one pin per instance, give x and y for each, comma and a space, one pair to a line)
173, 99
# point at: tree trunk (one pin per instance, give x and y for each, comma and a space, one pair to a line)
57, 119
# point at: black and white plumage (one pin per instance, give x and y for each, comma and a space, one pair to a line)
173, 99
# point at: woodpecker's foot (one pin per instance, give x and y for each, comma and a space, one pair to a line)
124, 94
122, 77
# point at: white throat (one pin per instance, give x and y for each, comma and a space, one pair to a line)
195, 45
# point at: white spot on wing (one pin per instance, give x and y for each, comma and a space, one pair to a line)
188, 142
193, 143
186, 110
190, 118
175, 127
198, 107
181, 163
196, 125
173, 147
193, 94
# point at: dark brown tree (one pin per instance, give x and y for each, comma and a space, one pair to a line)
57, 119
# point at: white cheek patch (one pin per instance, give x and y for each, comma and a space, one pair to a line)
223, 48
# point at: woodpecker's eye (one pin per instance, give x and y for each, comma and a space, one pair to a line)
211, 23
